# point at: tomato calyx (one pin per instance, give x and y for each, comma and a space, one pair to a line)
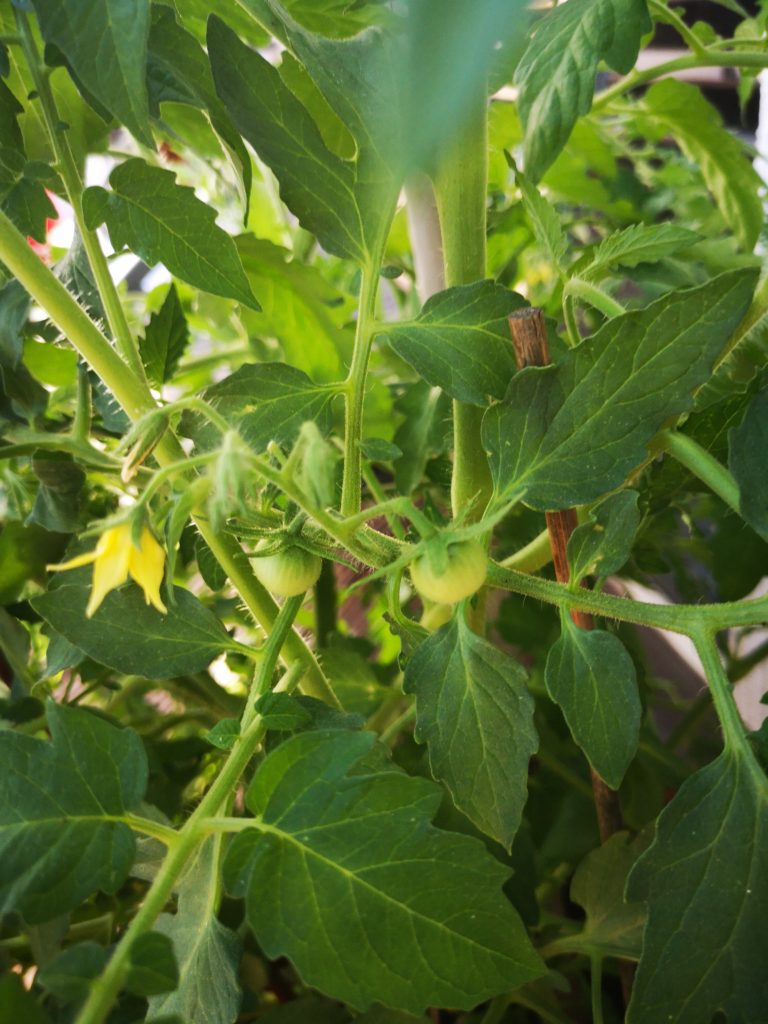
449, 570
285, 569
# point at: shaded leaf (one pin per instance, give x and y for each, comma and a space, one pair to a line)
568, 433
592, 677
106, 46
475, 714
728, 173
69, 976
166, 223
152, 968
603, 544
705, 884
544, 220
613, 925
165, 339
343, 873
130, 636
747, 447
56, 846
460, 341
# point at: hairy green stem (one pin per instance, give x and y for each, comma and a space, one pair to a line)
73, 184
689, 453
719, 687
595, 296
280, 632
687, 619
354, 395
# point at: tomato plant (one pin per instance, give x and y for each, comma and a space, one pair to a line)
384, 516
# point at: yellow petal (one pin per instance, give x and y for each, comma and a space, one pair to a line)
110, 567
146, 565
74, 563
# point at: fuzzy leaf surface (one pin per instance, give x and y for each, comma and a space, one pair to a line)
474, 712
344, 874
56, 845
747, 445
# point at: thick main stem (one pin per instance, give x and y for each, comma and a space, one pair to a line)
461, 185
73, 184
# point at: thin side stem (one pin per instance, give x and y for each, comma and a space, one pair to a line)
595, 296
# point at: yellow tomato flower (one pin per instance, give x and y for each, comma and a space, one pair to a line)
115, 558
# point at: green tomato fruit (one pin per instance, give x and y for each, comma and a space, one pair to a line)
287, 572
454, 573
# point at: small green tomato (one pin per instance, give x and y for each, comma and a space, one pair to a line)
450, 573
289, 571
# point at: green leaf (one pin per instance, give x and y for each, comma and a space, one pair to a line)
747, 445
163, 222
422, 435
697, 128
267, 402
152, 968
360, 79
57, 502
27, 203
297, 303
639, 243
224, 734
178, 70
706, 887
132, 637
460, 341
282, 711
14, 309
544, 220
165, 339
613, 926
208, 953
343, 873
591, 676
556, 76
69, 976
56, 845
602, 544
315, 184
106, 47
567, 434
475, 714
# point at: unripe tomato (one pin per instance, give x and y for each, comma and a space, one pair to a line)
289, 571
449, 574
